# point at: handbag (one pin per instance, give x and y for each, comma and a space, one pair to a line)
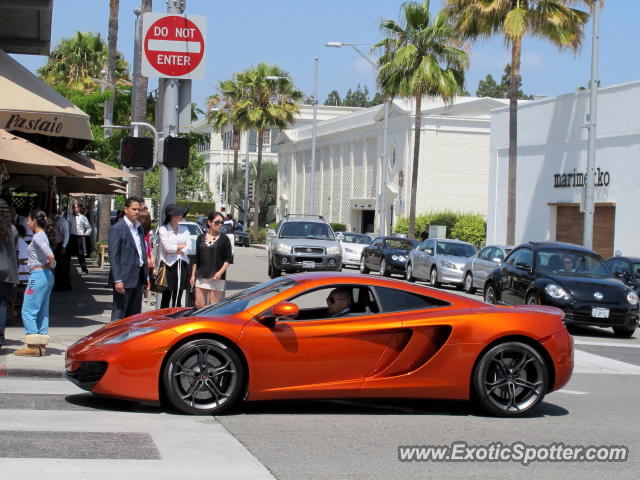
159, 282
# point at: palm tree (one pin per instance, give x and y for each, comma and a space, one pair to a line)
223, 112
418, 58
553, 20
266, 103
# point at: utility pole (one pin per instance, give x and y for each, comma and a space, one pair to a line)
589, 189
312, 200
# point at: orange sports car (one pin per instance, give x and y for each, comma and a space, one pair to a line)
330, 335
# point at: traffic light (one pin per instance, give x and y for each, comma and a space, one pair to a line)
136, 152
244, 165
250, 191
175, 152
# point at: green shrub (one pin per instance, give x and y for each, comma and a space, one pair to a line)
466, 226
197, 209
338, 227
261, 238
470, 228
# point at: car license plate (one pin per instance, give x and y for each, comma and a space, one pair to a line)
597, 312
310, 265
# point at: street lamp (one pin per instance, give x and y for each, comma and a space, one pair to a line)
382, 197
312, 197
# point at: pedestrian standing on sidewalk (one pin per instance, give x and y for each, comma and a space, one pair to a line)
127, 256
174, 246
145, 222
35, 307
8, 263
212, 258
79, 230
62, 276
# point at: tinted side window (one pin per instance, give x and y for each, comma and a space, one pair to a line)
497, 253
377, 242
393, 300
485, 253
523, 256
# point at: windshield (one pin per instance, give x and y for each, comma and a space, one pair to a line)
355, 238
246, 298
571, 262
401, 243
636, 270
455, 249
315, 230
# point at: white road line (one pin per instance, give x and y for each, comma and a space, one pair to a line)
590, 363
606, 344
571, 392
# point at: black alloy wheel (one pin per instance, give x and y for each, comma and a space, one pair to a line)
490, 295
510, 380
203, 377
363, 266
468, 283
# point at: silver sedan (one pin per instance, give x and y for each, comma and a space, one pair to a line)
478, 267
439, 260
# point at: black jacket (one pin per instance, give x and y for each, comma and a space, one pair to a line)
123, 255
209, 260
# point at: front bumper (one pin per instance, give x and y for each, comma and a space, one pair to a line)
579, 313
301, 262
352, 259
396, 266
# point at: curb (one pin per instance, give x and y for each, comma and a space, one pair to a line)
30, 372
261, 247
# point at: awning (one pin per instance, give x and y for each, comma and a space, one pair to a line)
23, 157
34, 183
100, 169
29, 105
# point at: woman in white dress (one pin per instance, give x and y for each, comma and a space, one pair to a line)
174, 246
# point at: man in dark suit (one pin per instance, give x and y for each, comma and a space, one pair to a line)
127, 255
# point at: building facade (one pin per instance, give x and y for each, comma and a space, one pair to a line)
348, 184
552, 162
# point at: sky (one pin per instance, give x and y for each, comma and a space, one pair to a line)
291, 33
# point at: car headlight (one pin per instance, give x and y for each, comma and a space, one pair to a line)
128, 335
349, 250
281, 248
333, 251
632, 297
399, 258
448, 265
556, 291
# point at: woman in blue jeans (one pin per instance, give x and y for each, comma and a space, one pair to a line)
8, 263
35, 307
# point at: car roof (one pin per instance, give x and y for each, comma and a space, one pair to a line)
453, 240
303, 219
623, 257
546, 243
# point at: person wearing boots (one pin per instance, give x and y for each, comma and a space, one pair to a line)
79, 230
35, 307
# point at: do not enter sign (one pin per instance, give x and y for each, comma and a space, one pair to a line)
173, 45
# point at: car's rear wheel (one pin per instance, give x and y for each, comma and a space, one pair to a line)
510, 380
433, 278
408, 274
203, 377
383, 268
623, 332
490, 294
363, 266
468, 283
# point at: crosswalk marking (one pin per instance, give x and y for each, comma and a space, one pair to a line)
585, 362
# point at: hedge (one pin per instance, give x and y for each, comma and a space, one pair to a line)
196, 209
466, 226
338, 227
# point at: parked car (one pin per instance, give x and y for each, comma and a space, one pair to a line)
241, 236
439, 260
194, 231
626, 269
478, 267
302, 243
352, 246
276, 340
569, 277
387, 255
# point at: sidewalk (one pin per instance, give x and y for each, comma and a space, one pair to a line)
74, 315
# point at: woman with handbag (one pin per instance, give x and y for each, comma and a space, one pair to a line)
212, 258
174, 246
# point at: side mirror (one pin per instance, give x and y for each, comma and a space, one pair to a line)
429, 251
524, 266
280, 311
271, 232
496, 260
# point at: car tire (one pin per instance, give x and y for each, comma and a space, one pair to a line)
363, 266
384, 271
510, 379
273, 272
490, 294
433, 278
408, 274
468, 283
246, 242
203, 377
532, 299
624, 332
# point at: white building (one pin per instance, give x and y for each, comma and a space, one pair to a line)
218, 150
454, 162
552, 161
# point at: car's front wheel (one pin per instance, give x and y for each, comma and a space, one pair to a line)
408, 275
624, 332
272, 271
203, 377
363, 266
433, 278
510, 379
468, 283
533, 299
383, 268
490, 294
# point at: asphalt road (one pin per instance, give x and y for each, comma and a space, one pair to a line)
50, 429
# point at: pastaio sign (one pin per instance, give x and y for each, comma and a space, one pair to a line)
173, 46
579, 179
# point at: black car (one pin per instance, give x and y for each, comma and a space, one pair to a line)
626, 269
241, 236
569, 277
387, 255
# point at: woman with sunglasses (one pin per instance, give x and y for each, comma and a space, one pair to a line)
212, 258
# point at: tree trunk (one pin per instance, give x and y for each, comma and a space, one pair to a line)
139, 100
514, 85
414, 169
256, 188
234, 184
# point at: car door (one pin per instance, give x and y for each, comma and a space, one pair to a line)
319, 357
481, 266
516, 276
417, 259
375, 254
428, 259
